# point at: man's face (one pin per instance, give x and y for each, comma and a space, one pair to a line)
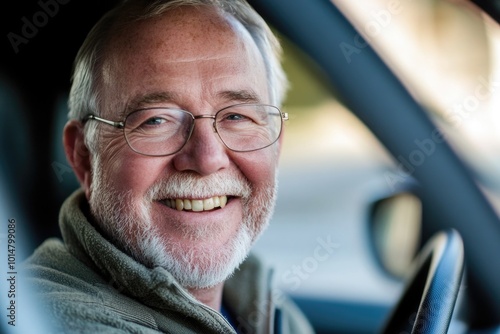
198, 61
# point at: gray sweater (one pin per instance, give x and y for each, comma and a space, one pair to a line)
85, 284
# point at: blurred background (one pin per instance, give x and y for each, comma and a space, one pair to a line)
325, 241
447, 54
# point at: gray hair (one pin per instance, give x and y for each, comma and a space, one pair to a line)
85, 96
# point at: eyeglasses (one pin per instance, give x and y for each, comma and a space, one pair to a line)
160, 131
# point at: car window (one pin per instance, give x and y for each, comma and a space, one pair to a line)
334, 171
447, 54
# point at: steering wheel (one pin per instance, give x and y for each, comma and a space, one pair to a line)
427, 303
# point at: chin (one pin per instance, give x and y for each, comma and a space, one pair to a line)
199, 267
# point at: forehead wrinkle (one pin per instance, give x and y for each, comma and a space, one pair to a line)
195, 58
161, 50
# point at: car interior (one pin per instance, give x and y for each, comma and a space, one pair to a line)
407, 215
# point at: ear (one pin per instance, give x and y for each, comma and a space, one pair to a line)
78, 154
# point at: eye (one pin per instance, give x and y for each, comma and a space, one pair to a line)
236, 117
154, 121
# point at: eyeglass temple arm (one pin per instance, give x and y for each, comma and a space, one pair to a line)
118, 125
284, 115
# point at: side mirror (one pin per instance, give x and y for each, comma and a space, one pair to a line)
396, 224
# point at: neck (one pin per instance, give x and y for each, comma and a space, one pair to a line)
211, 297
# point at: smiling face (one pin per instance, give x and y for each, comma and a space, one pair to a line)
196, 212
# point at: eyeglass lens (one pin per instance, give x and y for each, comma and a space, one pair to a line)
163, 131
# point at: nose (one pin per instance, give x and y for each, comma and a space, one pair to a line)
204, 153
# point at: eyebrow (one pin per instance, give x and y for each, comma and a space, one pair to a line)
150, 98
243, 96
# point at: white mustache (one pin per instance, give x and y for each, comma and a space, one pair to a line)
192, 186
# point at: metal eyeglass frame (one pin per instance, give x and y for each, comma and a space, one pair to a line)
121, 125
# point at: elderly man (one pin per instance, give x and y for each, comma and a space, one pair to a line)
174, 136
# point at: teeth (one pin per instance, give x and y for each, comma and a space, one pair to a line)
197, 205
208, 204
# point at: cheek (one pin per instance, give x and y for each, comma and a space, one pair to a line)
258, 167
128, 170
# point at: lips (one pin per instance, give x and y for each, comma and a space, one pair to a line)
196, 205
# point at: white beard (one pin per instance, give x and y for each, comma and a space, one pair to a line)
131, 227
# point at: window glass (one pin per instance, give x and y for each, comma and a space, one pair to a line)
447, 53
